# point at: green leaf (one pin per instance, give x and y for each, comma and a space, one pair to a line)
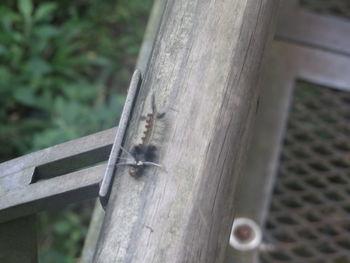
44, 11
25, 7
8, 17
36, 66
5, 81
25, 96
62, 227
45, 31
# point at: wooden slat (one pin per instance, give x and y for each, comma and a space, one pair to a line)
253, 193
317, 66
319, 31
91, 239
56, 160
58, 191
150, 35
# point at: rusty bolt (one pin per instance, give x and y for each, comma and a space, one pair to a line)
245, 234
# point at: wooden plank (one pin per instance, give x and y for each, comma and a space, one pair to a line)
150, 34
58, 191
153, 24
56, 160
287, 63
91, 238
317, 66
18, 241
254, 190
320, 31
204, 70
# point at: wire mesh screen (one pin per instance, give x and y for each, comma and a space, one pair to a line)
309, 217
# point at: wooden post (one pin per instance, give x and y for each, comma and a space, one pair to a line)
142, 61
204, 71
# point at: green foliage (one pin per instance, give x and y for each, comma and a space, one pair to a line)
59, 64
61, 232
63, 69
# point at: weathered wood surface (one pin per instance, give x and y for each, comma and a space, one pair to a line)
316, 65
91, 238
62, 190
286, 64
150, 34
309, 29
254, 191
204, 70
305, 49
153, 24
19, 198
56, 160
75, 172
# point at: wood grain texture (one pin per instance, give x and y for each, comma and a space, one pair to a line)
91, 238
204, 71
149, 37
73, 187
254, 189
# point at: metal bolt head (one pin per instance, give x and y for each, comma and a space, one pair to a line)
245, 234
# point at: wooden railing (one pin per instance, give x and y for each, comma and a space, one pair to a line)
203, 72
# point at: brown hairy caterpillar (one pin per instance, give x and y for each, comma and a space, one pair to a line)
144, 154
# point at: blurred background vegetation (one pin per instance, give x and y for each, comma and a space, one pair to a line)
64, 69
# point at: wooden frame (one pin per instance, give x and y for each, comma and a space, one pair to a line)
21, 196
308, 47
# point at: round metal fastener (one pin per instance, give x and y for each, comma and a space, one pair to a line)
245, 234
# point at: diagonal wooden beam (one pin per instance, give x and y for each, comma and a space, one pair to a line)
62, 174
55, 192
56, 160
